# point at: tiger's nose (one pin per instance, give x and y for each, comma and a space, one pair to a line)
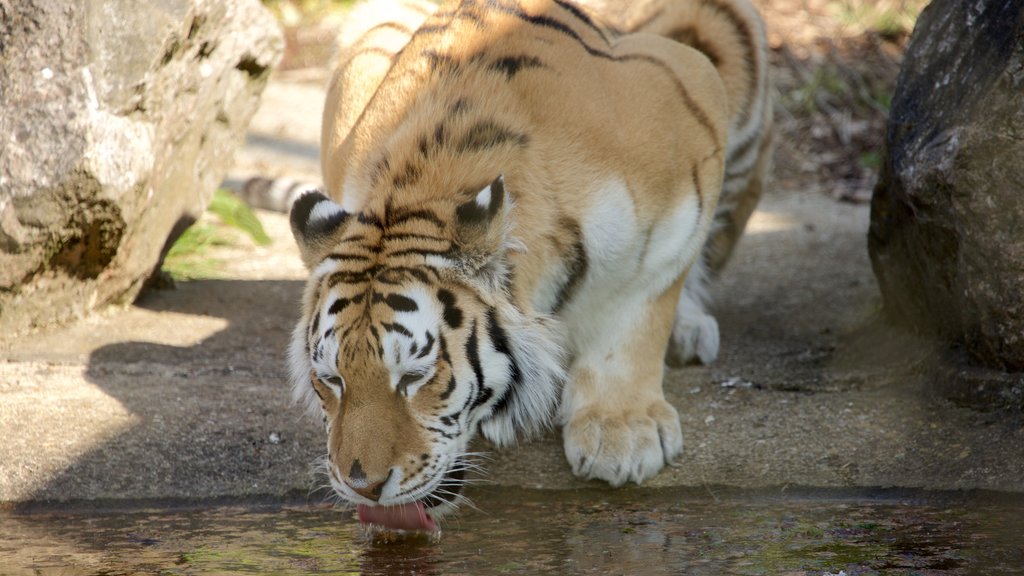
362, 485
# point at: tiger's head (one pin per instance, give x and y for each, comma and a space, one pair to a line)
409, 343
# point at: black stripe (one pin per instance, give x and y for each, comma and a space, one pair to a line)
691, 37
487, 134
499, 339
700, 193
338, 305
440, 134
746, 37
370, 220
459, 107
439, 61
486, 393
742, 149
575, 11
315, 326
452, 314
501, 343
401, 303
302, 223
461, 12
448, 391
347, 257
406, 215
432, 28
428, 347
344, 336
575, 264
348, 277
442, 345
396, 327
512, 65
409, 175
473, 355
397, 274
543, 21
411, 236
548, 22
441, 432
376, 334
403, 383
388, 280
745, 34
446, 253
380, 169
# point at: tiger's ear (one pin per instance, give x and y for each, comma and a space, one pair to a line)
316, 221
480, 221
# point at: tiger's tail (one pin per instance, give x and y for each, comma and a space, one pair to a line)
274, 194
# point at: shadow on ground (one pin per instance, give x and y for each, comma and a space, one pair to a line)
211, 419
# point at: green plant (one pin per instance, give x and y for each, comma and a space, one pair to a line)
235, 213
189, 258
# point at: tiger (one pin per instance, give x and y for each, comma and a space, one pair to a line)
523, 204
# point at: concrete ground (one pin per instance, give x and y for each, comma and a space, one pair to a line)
183, 395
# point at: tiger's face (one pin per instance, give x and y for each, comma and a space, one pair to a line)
409, 345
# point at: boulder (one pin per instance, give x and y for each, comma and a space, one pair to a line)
947, 215
118, 120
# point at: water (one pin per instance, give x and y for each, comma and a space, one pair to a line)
629, 531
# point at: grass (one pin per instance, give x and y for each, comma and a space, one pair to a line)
228, 218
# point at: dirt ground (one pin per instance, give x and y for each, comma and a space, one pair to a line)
183, 395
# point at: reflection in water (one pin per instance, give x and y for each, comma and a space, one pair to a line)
532, 532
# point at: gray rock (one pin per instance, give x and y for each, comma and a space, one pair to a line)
947, 216
118, 119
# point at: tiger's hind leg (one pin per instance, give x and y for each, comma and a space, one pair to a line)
694, 331
618, 427
695, 337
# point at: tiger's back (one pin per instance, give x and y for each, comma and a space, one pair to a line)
547, 177
484, 75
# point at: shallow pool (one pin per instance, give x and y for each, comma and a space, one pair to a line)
626, 531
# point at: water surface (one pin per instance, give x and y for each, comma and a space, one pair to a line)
631, 531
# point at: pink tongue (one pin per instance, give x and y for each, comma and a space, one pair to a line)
410, 516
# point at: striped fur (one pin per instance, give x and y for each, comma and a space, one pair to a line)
515, 192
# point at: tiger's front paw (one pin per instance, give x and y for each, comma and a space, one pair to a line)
626, 443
